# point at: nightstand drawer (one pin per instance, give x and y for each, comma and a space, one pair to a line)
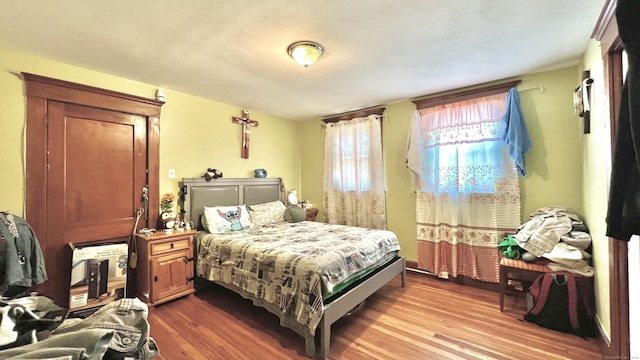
178, 244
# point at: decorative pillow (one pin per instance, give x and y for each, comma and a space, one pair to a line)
295, 214
203, 222
267, 213
221, 219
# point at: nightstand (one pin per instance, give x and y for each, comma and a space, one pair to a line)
311, 214
165, 266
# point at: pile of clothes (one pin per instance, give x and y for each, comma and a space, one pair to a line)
34, 327
555, 233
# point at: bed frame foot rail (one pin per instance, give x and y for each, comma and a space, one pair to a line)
352, 298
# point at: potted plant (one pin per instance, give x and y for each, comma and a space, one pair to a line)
167, 216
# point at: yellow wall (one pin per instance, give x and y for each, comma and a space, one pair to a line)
596, 151
195, 133
554, 164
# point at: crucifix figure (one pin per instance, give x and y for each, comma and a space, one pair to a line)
246, 131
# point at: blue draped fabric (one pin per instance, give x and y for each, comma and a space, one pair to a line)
516, 135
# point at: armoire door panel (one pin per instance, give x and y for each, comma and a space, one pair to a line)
97, 169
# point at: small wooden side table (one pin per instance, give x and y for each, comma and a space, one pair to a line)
165, 266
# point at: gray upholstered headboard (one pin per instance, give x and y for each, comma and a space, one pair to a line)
195, 193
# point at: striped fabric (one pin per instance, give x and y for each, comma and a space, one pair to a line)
458, 240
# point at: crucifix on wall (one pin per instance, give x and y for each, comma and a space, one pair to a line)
246, 131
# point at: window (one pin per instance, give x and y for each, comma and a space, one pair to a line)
351, 148
468, 193
463, 151
464, 165
354, 175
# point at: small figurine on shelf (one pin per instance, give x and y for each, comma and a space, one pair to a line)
167, 217
178, 224
212, 173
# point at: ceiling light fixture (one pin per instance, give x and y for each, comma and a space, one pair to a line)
305, 53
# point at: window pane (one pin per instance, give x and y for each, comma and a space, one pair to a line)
351, 172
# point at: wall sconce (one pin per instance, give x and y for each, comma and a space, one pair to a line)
581, 100
305, 53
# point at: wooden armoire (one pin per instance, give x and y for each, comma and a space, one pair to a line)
91, 156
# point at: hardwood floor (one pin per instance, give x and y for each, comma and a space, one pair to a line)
428, 319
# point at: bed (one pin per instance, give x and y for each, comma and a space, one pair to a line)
306, 286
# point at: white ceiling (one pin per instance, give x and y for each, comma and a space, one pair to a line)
235, 52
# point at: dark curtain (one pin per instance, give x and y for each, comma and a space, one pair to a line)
623, 213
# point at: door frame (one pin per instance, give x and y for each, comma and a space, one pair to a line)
39, 91
606, 31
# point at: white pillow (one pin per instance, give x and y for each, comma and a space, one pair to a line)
221, 219
267, 213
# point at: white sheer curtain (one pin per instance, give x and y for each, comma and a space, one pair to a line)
354, 189
468, 194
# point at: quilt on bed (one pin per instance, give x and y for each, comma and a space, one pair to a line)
288, 268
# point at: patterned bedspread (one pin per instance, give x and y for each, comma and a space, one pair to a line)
289, 268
